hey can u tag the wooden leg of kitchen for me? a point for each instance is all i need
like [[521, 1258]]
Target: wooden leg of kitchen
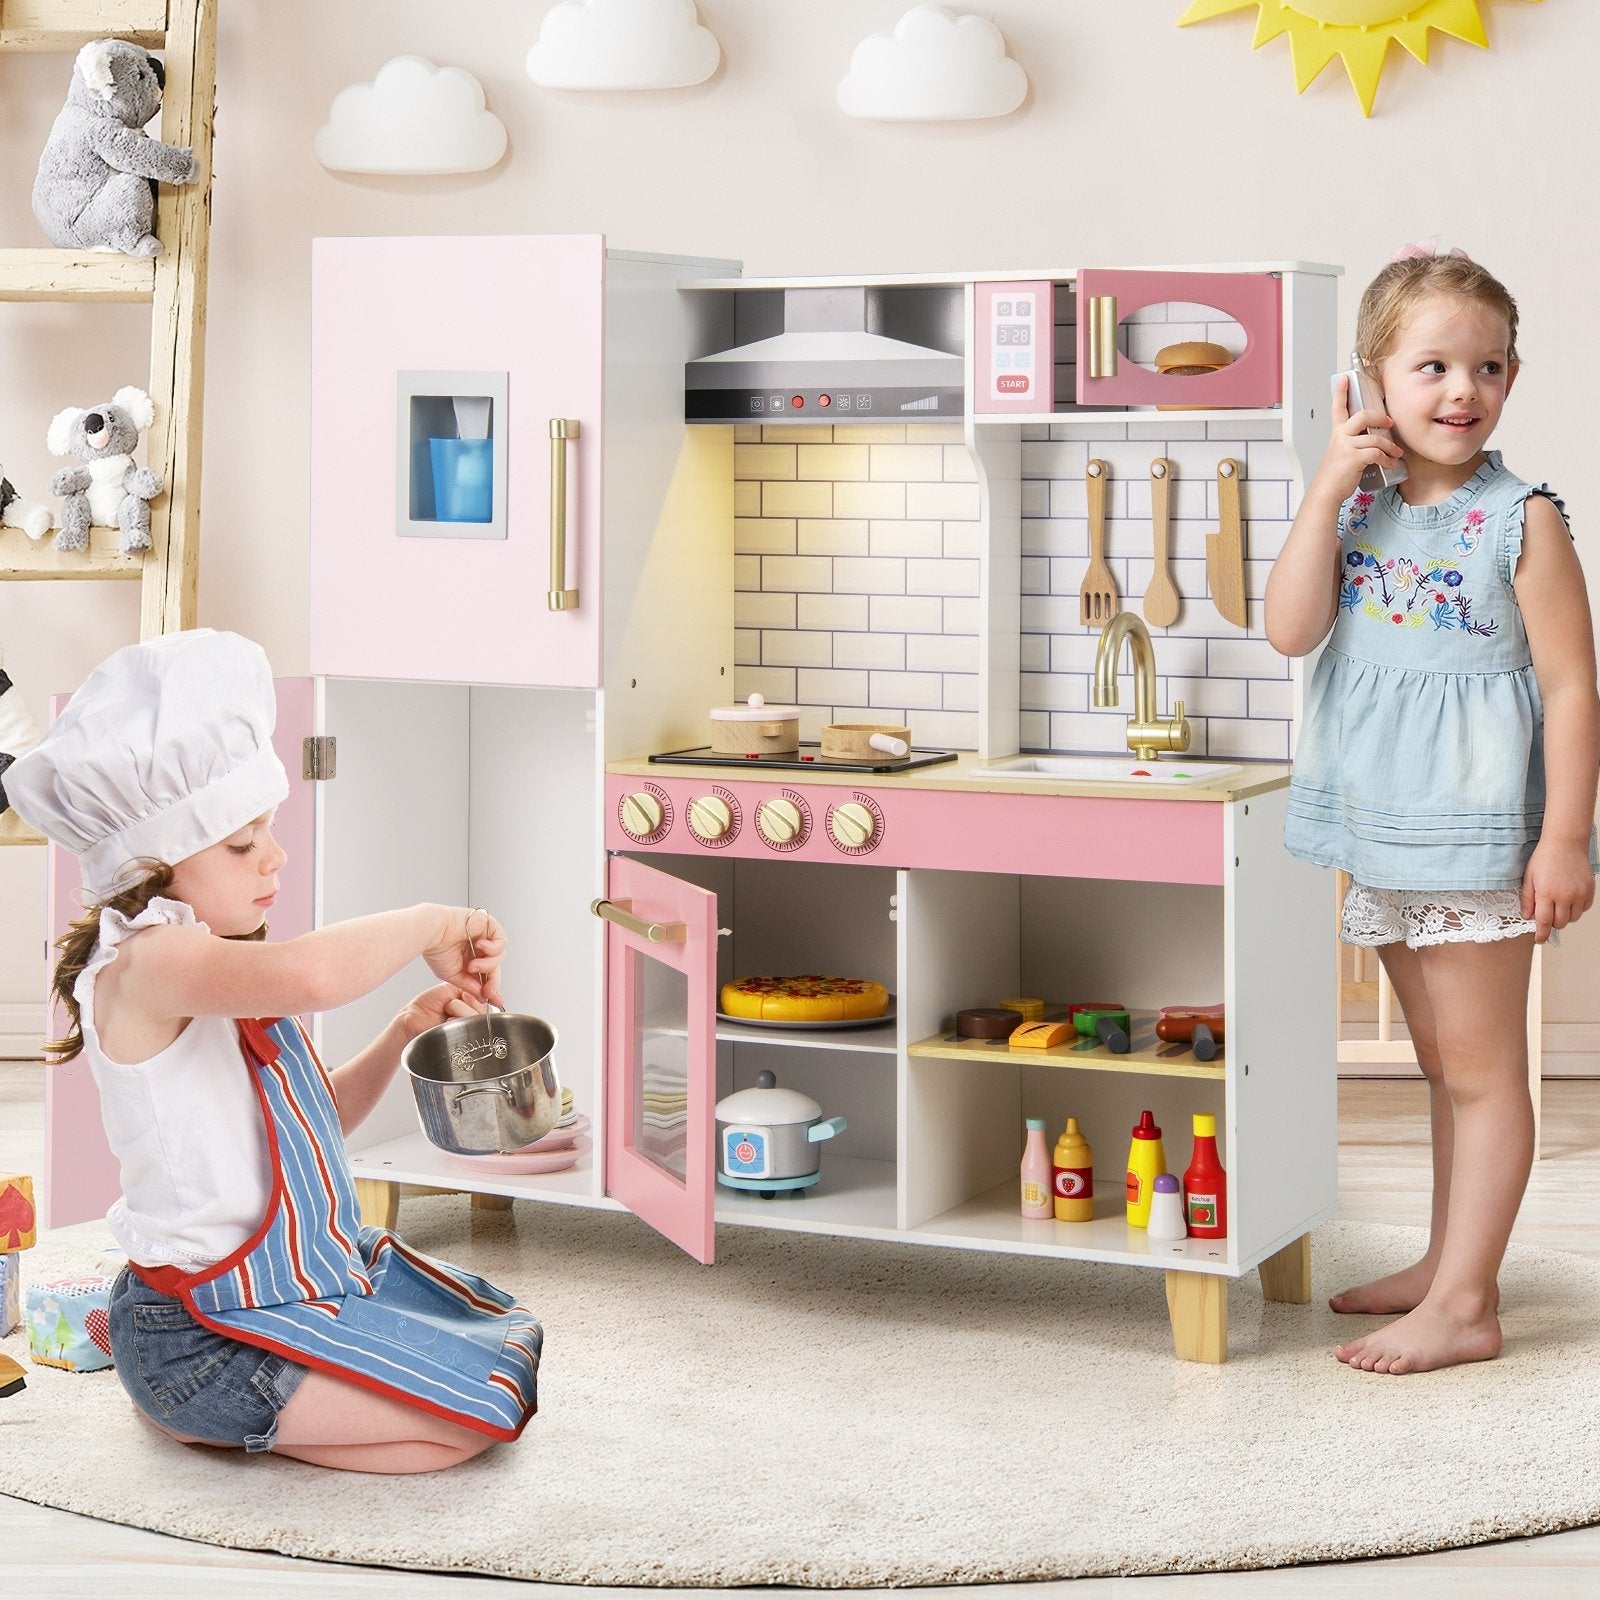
[[1197, 1303], [1287, 1275], [379, 1202], [491, 1202]]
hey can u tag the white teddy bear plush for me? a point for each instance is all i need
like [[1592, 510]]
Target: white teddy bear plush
[[35, 521], [108, 490]]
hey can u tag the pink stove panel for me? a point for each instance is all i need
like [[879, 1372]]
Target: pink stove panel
[[1070, 836]]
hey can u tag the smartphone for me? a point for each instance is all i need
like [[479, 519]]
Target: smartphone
[[1366, 396]]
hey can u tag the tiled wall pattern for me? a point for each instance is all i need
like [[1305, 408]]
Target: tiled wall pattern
[[857, 569], [856, 575]]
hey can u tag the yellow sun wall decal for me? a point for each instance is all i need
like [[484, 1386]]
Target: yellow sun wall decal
[[1359, 31]]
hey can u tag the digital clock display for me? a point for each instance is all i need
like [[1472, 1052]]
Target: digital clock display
[[1014, 334]]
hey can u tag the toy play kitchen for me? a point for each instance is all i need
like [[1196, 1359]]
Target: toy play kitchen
[[864, 500]]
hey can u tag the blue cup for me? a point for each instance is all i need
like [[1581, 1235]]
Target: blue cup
[[463, 479]]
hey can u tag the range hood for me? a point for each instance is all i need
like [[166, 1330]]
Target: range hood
[[827, 365]]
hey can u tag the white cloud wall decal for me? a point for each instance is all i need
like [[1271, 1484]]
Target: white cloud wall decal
[[623, 44], [936, 67], [414, 118]]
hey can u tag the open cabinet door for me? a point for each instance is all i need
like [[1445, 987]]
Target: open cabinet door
[[81, 1178], [661, 1051]]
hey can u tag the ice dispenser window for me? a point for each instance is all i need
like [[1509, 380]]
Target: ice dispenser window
[[452, 455]]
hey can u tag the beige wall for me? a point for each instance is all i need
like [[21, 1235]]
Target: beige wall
[[1139, 142]]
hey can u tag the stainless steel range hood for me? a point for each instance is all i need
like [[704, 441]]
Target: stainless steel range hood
[[826, 365]]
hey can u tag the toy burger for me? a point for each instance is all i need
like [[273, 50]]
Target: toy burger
[[1191, 359]]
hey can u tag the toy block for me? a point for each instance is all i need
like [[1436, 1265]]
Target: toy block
[[10, 1293], [69, 1323], [18, 1222]]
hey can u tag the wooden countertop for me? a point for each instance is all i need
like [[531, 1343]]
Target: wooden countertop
[[964, 775]]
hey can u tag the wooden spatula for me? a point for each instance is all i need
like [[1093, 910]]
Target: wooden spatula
[[1161, 598], [1097, 599], [1225, 547]]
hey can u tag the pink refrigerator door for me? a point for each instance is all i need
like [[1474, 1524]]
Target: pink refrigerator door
[[1252, 299], [661, 1054], [80, 1174], [520, 316]]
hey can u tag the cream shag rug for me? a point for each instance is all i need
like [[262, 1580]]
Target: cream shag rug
[[845, 1413]]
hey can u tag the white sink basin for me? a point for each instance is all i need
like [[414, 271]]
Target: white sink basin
[[1175, 771]]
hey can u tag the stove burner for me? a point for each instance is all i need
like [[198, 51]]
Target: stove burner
[[807, 758]]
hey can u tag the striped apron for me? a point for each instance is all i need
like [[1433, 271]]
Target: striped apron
[[315, 1286]]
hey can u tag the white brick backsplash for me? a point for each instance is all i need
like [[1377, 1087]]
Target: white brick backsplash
[[937, 652], [859, 559], [765, 610], [798, 574], [941, 577], [870, 575], [909, 689], [906, 539], [836, 537], [839, 612], [961, 616], [899, 613], [791, 648], [881, 652], [763, 536], [871, 500]]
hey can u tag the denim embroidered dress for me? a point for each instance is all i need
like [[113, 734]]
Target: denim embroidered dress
[[1421, 759]]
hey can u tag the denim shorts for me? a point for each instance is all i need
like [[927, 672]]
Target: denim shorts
[[191, 1380]]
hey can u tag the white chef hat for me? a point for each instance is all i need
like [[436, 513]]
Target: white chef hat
[[167, 748]]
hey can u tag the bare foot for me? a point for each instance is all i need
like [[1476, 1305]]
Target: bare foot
[[1400, 1291], [1428, 1337]]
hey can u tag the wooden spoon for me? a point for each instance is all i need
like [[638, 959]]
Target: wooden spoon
[[1161, 598]]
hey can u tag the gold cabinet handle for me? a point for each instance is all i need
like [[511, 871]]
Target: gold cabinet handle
[[1102, 336], [561, 598], [621, 913]]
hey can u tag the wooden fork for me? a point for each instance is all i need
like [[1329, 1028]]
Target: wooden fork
[[1097, 599]]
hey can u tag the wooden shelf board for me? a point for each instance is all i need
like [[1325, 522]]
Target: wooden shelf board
[[22, 557], [1149, 1055], [13, 830], [70, 24], [76, 275]]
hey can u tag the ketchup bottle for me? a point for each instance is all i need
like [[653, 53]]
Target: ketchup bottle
[[1205, 1184]]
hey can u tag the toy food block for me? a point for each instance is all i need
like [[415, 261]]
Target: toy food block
[[10, 1293], [18, 1224], [69, 1323], [1040, 1035]]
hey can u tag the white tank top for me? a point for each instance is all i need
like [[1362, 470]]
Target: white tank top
[[185, 1125]]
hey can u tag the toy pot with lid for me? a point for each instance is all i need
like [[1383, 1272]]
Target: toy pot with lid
[[755, 728], [770, 1139]]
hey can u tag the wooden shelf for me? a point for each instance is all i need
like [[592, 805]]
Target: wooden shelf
[[93, 275], [1148, 1055], [13, 830], [22, 557], [70, 24]]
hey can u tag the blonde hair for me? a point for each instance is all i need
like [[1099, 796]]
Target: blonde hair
[[77, 944], [1396, 292]]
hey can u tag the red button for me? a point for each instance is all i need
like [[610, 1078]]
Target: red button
[[798, 401], [824, 399]]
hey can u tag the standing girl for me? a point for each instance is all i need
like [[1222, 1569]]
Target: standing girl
[[1448, 757], [256, 1311]]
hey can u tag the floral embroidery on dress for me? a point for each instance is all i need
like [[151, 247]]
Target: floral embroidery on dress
[[1360, 505], [1471, 533], [1407, 593]]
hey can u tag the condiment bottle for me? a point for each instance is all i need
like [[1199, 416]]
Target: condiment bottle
[[1166, 1209], [1146, 1162], [1072, 1176], [1036, 1175], [1205, 1184]]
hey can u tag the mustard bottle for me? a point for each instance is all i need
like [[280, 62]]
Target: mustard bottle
[[1146, 1162], [1072, 1175]]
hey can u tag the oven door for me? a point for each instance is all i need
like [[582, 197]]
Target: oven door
[[661, 939]]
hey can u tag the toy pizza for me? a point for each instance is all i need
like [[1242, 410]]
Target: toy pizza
[[810, 997]]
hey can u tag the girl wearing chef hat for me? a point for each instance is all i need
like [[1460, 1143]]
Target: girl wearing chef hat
[[256, 1311]]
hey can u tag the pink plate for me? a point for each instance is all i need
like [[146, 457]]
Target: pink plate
[[521, 1162], [561, 1137]]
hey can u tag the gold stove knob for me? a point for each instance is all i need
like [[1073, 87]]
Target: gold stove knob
[[710, 816], [640, 815], [852, 825], [779, 821]]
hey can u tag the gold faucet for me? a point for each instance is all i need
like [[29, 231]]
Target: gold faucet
[[1148, 734]]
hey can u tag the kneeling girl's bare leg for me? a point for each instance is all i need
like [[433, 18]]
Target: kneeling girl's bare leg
[[330, 1422], [1479, 995]]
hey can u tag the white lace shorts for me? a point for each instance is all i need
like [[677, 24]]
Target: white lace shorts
[[1418, 917]]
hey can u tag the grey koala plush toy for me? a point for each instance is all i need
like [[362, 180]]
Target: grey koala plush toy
[[96, 184], [108, 490]]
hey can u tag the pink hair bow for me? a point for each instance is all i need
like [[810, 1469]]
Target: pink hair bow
[[1429, 247]]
